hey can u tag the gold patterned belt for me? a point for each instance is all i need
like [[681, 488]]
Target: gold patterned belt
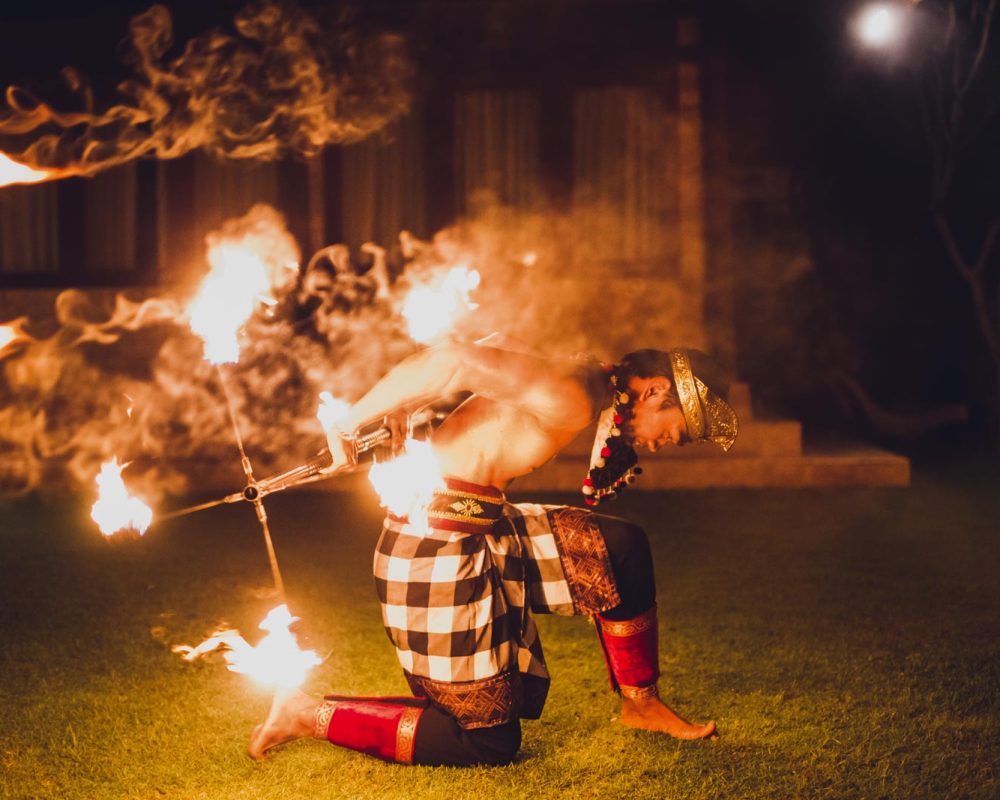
[[465, 507]]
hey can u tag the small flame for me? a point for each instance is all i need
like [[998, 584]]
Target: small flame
[[406, 484], [11, 334], [275, 661], [238, 278], [13, 172], [116, 510], [530, 258], [331, 411], [431, 310]]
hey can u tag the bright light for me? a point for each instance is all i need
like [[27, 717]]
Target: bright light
[[880, 24], [115, 509], [13, 172], [228, 295], [331, 411], [276, 660], [407, 484], [432, 310]]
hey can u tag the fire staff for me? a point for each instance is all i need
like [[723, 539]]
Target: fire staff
[[458, 593]]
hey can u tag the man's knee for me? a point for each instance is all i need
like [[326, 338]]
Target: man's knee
[[497, 746], [625, 540]]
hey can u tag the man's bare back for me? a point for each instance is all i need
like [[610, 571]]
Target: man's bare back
[[490, 443]]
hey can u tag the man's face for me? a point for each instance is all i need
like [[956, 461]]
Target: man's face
[[654, 423]]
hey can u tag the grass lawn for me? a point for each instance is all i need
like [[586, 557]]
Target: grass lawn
[[844, 640]]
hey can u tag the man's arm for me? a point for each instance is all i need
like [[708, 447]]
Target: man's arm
[[548, 390]]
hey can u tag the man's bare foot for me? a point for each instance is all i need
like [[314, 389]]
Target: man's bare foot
[[652, 714], [292, 716]]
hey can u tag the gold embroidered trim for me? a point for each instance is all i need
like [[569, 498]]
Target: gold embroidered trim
[[474, 704], [585, 560], [688, 393], [630, 627], [459, 517], [482, 498], [635, 692], [323, 716], [406, 735]]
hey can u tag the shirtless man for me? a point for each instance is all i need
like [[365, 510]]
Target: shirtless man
[[458, 595]]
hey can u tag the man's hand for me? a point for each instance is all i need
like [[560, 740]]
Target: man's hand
[[398, 423], [342, 452]]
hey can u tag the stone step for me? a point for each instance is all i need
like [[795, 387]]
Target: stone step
[[857, 465]]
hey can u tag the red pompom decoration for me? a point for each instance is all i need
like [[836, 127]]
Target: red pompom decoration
[[605, 452], [590, 501], [588, 482], [618, 419]]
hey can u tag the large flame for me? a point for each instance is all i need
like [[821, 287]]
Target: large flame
[[116, 510], [431, 310], [275, 661], [406, 484], [249, 258], [226, 299]]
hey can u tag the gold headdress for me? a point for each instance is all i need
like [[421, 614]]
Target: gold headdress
[[707, 415]]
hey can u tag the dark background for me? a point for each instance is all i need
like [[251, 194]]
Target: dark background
[[880, 301]]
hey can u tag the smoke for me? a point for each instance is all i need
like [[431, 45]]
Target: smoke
[[125, 376], [281, 83]]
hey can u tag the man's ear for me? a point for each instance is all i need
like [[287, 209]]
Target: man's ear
[[658, 387]]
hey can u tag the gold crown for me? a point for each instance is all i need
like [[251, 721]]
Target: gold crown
[[707, 415]]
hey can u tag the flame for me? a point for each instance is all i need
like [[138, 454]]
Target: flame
[[275, 661], [530, 258], [405, 484], [226, 299], [115, 510], [431, 310], [13, 172], [331, 410], [12, 333]]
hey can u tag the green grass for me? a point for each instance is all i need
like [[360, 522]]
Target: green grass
[[845, 642]]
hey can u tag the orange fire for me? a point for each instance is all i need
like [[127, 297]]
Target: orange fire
[[227, 298], [11, 334], [13, 172], [331, 410], [115, 509], [406, 484], [275, 661], [432, 309]]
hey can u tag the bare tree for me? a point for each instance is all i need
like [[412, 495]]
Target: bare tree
[[958, 99]]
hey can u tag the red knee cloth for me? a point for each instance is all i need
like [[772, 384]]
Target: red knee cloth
[[381, 729], [631, 651]]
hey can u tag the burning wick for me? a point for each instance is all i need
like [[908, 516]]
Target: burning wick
[[406, 484], [331, 410], [238, 280], [530, 258], [431, 310], [12, 172], [11, 333], [116, 510], [275, 661]]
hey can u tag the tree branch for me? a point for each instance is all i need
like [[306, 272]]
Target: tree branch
[[984, 39], [984, 319]]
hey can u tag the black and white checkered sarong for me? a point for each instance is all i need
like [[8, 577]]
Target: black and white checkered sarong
[[457, 597]]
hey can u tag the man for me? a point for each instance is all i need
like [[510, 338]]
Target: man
[[457, 595]]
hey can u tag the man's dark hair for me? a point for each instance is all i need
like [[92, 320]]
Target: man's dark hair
[[652, 363]]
